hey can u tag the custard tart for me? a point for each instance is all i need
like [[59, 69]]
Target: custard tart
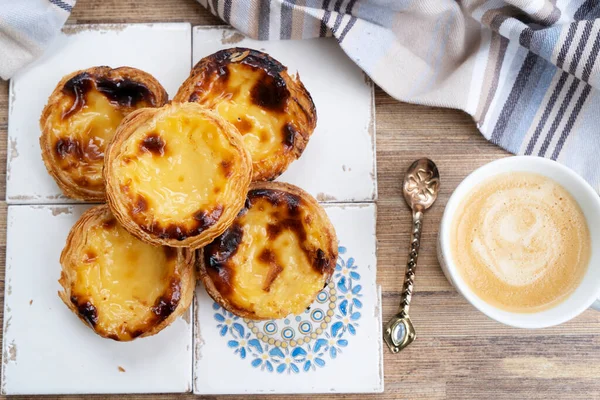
[[120, 286], [272, 110], [176, 175], [275, 258], [81, 117]]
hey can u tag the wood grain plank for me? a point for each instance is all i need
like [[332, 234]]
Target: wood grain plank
[[118, 11], [459, 353]]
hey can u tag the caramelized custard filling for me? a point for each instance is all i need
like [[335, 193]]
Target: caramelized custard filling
[[273, 259], [85, 120], [254, 102], [123, 285], [175, 172]]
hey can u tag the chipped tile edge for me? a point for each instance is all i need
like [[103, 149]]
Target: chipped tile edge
[[213, 27], [232, 37], [7, 310], [9, 155], [379, 308], [372, 131], [75, 28], [197, 341]]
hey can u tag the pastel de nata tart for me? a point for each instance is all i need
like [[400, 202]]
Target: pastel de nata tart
[[81, 117], [120, 286], [275, 258], [176, 175], [272, 110]]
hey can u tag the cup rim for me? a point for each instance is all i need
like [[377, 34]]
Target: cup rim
[[517, 163]]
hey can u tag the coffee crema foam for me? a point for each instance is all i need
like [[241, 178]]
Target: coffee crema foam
[[521, 242]]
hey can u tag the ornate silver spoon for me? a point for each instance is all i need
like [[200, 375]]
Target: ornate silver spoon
[[420, 189]]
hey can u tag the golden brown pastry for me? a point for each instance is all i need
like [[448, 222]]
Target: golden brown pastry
[[176, 175], [272, 110], [120, 286], [276, 256], [80, 118]]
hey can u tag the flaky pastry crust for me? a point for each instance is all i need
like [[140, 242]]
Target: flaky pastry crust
[[275, 258], [80, 118], [272, 110], [119, 286], [176, 175]]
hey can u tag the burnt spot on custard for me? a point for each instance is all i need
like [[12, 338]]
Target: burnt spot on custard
[[166, 304], [268, 257], [321, 262], [289, 136], [270, 90], [136, 333], [140, 205], [125, 92], [207, 219], [87, 311], [121, 91], [290, 224], [90, 151], [153, 144], [77, 87], [201, 221], [109, 223], [217, 255], [277, 198], [170, 253], [227, 168], [65, 147]]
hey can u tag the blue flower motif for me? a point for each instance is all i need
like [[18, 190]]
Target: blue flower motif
[[241, 341], [348, 316], [310, 358], [345, 268], [332, 343], [261, 355], [277, 357], [286, 361], [226, 320]]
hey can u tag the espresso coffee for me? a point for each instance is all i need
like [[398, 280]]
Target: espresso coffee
[[520, 242]]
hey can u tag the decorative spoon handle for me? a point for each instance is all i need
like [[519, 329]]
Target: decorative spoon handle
[[420, 189], [411, 265]]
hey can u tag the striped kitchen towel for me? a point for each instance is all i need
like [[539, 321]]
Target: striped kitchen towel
[[526, 70], [26, 28]]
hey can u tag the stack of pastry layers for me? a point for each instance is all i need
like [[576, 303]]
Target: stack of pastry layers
[[189, 193]]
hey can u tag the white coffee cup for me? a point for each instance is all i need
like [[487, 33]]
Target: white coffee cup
[[588, 291]]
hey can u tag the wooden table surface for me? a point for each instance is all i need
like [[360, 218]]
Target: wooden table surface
[[459, 353]]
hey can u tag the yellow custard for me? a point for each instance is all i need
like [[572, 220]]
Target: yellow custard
[[263, 131], [275, 258], [81, 138], [121, 286], [272, 110], [177, 175], [179, 164]]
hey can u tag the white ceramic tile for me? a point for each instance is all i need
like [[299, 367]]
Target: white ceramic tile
[[47, 349], [42, 339], [346, 356], [163, 50], [339, 162]]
